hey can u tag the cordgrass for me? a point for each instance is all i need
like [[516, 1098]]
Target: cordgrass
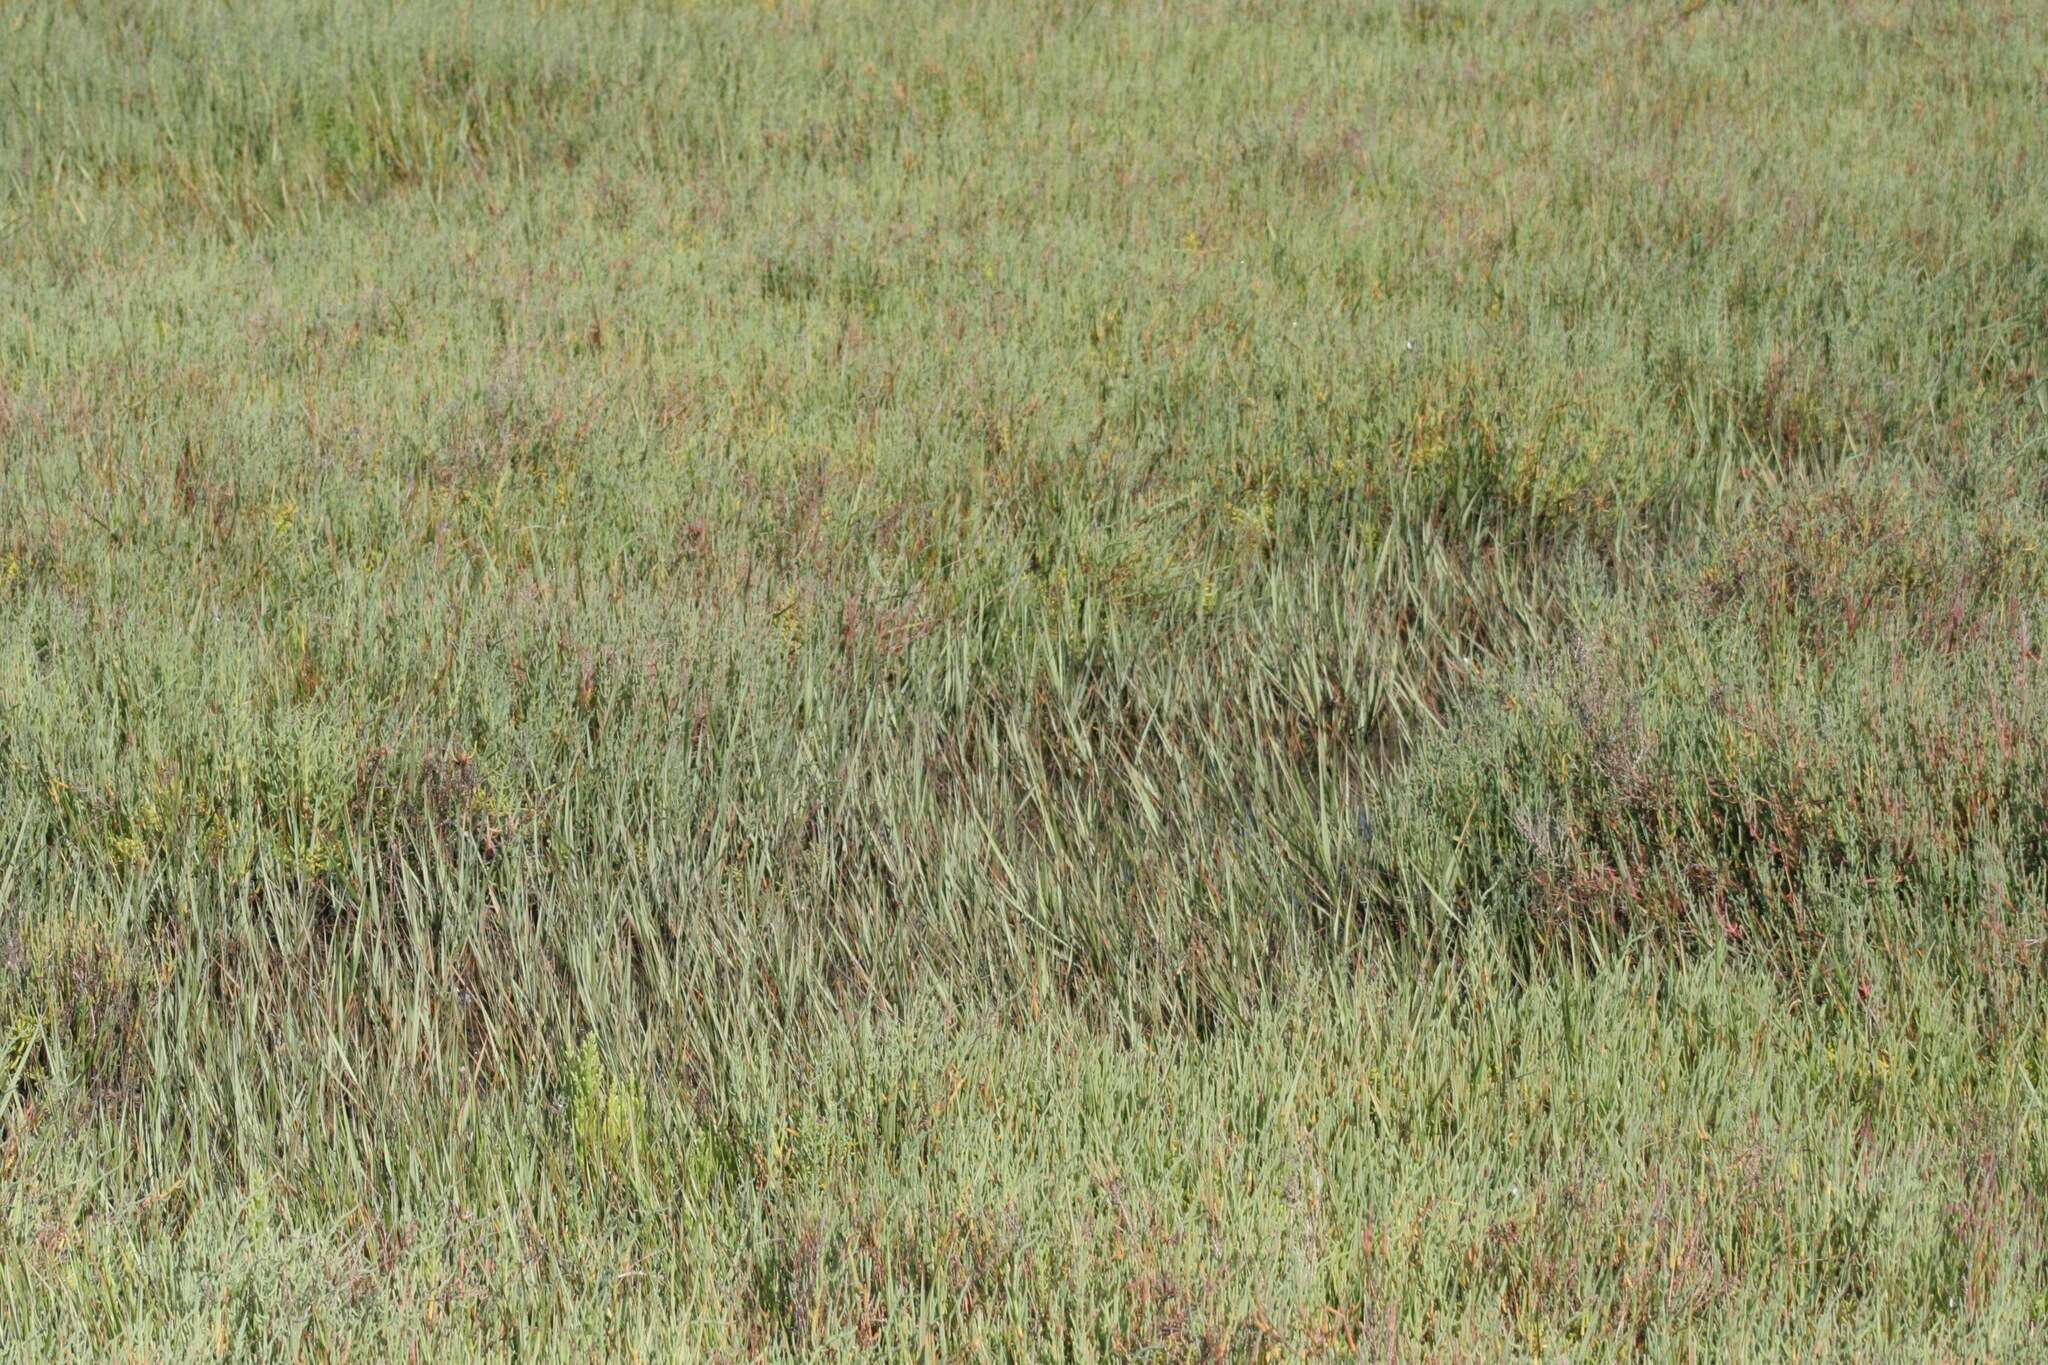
[[1023, 681]]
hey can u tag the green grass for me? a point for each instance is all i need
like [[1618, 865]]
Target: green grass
[[1032, 681]]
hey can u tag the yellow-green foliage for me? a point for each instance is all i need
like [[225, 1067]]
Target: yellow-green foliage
[[607, 1115]]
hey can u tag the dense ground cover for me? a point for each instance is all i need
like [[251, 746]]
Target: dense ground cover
[[1260, 680]]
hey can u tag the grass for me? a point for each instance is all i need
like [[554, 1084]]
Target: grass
[[1086, 681]]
